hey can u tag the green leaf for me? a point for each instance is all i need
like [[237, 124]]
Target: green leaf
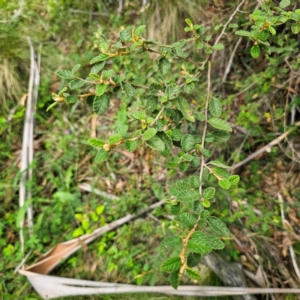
[[176, 134], [156, 144], [51, 106], [204, 214], [193, 259], [187, 142], [187, 157], [189, 22], [207, 153], [199, 45], [166, 139], [171, 264], [140, 29], [121, 129], [215, 242], [183, 166], [284, 3], [138, 115], [171, 242], [194, 181], [217, 136], [174, 161], [78, 232], [174, 279], [189, 87], [65, 74], [100, 89], [219, 124], [263, 35], [101, 156], [221, 172], [295, 28], [192, 274], [234, 179], [215, 107], [187, 219], [218, 226], [187, 196], [185, 108], [224, 183], [101, 104], [114, 139], [218, 46], [76, 84], [198, 244], [106, 74], [175, 209], [75, 68], [96, 142], [206, 203], [199, 116], [96, 68], [219, 164], [149, 133], [71, 99], [101, 57], [130, 145], [164, 66], [129, 90], [243, 33], [255, 51], [176, 191], [125, 35], [172, 91], [94, 76], [183, 184], [209, 193]]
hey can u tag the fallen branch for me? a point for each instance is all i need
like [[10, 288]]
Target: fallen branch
[[263, 149]]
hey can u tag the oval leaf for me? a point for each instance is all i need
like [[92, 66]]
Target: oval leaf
[[218, 226], [171, 264], [101, 104], [219, 124], [149, 133], [156, 144], [187, 142], [171, 242]]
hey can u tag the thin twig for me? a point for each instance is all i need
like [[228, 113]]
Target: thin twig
[[224, 29], [88, 188], [205, 124], [158, 116], [228, 67]]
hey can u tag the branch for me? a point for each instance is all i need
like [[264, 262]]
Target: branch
[[205, 124], [263, 149]]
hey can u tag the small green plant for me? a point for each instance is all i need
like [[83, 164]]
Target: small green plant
[[264, 21], [171, 109]]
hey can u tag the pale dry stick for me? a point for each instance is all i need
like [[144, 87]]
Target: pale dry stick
[[88, 188], [224, 28], [205, 125], [228, 67], [25, 153], [49, 287], [291, 249], [263, 149], [158, 116], [34, 96]]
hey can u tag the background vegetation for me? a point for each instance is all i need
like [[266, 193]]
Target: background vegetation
[[260, 99]]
